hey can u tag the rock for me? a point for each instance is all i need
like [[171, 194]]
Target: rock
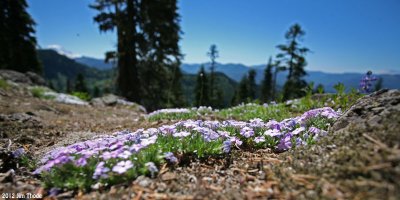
[[110, 99], [36, 79], [9, 176], [362, 147], [370, 110], [114, 100], [143, 181], [19, 117], [66, 98], [29, 78], [14, 76], [168, 176]]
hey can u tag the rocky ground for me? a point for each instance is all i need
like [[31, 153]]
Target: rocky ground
[[359, 159]]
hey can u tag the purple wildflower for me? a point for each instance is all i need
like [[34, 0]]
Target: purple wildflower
[[100, 171], [54, 191], [223, 134], [366, 82], [125, 154], [272, 132], [314, 130], [285, 143], [247, 132], [181, 134], [152, 168], [273, 124], [168, 130], [256, 122], [122, 166], [236, 140], [298, 130], [136, 148], [18, 153], [81, 161], [259, 139], [170, 157], [227, 146]]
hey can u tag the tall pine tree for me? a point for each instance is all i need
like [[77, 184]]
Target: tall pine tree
[[246, 91], [17, 40], [252, 85], [292, 54], [148, 35], [201, 90], [214, 90], [160, 36], [267, 83], [80, 84], [122, 16]]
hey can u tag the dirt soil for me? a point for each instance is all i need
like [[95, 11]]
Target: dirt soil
[[360, 159]]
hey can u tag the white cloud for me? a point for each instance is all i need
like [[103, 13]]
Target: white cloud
[[63, 51]]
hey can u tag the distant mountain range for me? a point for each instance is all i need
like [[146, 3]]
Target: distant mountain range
[[350, 80], [58, 68], [237, 71], [94, 62]]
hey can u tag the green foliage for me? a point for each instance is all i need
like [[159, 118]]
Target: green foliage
[[82, 95], [69, 176], [294, 58], [320, 89], [39, 92], [17, 40], [28, 162], [148, 53], [340, 89], [267, 83], [201, 90], [246, 91], [80, 84], [173, 116], [4, 84], [249, 111], [252, 84]]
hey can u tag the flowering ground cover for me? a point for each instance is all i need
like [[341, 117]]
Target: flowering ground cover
[[277, 111], [108, 160], [179, 113]]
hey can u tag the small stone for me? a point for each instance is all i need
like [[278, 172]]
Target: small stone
[[168, 176]]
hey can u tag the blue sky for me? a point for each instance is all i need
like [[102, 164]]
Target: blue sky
[[344, 35]]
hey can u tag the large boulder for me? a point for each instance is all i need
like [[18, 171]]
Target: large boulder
[[114, 100], [28, 78], [14, 76], [359, 158], [65, 98], [36, 79]]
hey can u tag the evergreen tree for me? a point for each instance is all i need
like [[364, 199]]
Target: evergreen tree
[[148, 34], [96, 91], [80, 84], [122, 15], [201, 89], [379, 84], [267, 83], [17, 40], [278, 68], [69, 85], [213, 54], [243, 90], [252, 87], [293, 56], [176, 97]]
